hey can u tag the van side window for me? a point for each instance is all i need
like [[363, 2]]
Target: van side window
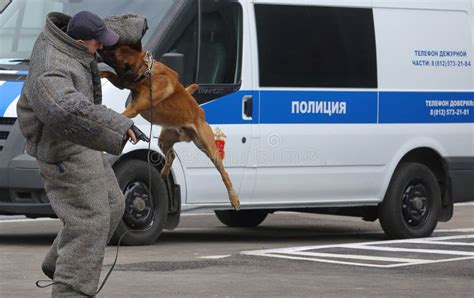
[[220, 43], [311, 46], [211, 44], [186, 44]]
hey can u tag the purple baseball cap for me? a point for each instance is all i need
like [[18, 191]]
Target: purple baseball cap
[[87, 25]]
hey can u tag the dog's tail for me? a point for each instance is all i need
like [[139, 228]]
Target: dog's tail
[[192, 88]]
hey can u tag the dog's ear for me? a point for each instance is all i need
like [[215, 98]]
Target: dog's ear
[[192, 88]]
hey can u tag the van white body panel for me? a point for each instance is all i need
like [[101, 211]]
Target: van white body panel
[[311, 146], [349, 164]]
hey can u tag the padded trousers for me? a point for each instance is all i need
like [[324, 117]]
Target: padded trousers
[[85, 195]]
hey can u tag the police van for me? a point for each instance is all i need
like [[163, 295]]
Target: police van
[[350, 107]]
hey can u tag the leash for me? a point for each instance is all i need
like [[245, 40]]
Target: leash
[[148, 73]]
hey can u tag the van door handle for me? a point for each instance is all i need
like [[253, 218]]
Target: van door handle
[[247, 107]]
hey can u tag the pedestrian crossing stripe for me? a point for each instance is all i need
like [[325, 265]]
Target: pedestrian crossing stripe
[[457, 248]]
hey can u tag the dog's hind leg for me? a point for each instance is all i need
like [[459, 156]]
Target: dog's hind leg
[[167, 139], [204, 140]]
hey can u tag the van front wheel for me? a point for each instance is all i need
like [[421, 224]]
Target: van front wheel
[[144, 216], [241, 218], [412, 203]]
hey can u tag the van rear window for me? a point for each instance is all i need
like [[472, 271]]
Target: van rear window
[[312, 46]]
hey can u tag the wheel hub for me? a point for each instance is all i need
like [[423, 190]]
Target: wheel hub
[[414, 204], [138, 206], [417, 203]]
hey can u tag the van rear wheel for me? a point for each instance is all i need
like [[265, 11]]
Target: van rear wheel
[[412, 204], [241, 218]]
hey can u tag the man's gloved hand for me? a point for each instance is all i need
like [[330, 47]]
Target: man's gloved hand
[[131, 135], [136, 134]]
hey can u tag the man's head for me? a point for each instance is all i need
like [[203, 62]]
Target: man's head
[[89, 29]]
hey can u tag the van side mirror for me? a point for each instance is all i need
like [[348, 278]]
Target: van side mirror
[[174, 61]]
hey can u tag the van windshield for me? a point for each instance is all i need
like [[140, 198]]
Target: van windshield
[[22, 21]]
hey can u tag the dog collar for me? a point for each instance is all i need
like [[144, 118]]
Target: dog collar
[[149, 63], [149, 67]]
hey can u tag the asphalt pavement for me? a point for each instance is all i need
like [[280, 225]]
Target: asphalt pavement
[[289, 255]]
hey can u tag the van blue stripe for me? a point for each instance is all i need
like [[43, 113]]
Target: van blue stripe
[[228, 109], [426, 107], [286, 107], [9, 91], [275, 107], [318, 107]]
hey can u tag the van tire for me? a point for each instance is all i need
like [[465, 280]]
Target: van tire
[[241, 218], [412, 204], [144, 218]]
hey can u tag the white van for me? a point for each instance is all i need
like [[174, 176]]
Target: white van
[[351, 107]]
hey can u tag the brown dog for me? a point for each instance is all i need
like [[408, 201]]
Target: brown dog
[[171, 106]]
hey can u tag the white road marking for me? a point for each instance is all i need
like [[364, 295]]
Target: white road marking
[[214, 257], [356, 257], [309, 253], [413, 262], [442, 243], [414, 250], [445, 243], [317, 260], [432, 262]]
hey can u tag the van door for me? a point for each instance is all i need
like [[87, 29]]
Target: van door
[[211, 36], [317, 79]]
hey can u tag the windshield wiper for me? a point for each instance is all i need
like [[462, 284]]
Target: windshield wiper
[[20, 61]]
